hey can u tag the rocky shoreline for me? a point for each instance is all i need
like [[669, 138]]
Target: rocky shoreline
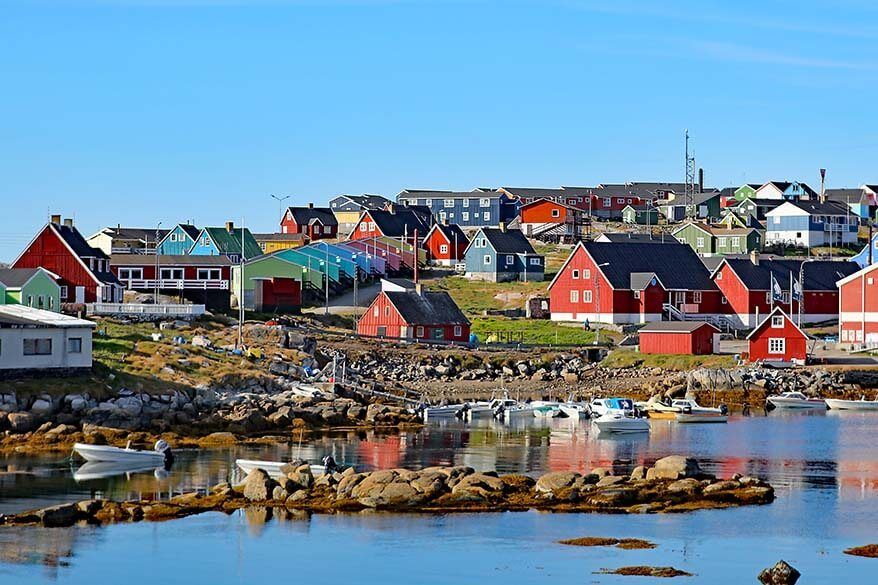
[[673, 484]]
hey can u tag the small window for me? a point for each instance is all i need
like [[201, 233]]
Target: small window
[[607, 202], [172, 237], [574, 275], [556, 213], [696, 296], [37, 346], [485, 202], [448, 203], [586, 273], [535, 262], [30, 300], [869, 280], [487, 259], [51, 303], [777, 345], [465, 214], [487, 216], [466, 203], [736, 241], [777, 321], [719, 275], [574, 296], [458, 330], [724, 300], [768, 298], [721, 242], [63, 292], [74, 345], [364, 227], [376, 312], [428, 202], [699, 242], [419, 332], [637, 294], [586, 296], [620, 200], [387, 311], [510, 260], [443, 249]]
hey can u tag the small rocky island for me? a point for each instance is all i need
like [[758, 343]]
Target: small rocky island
[[673, 484]]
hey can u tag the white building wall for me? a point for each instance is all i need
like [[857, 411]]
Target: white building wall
[[12, 348]]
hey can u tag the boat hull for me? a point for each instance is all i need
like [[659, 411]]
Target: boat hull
[[272, 468], [662, 414], [621, 424], [574, 410], [866, 405], [117, 454], [701, 418], [798, 404]]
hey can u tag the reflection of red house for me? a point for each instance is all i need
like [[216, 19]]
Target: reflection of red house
[[679, 337], [445, 244], [777, 338]]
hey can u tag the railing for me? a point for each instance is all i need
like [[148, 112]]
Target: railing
[[132, 309], [721, 322], [173, 283]]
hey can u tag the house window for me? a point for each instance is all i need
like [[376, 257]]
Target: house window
[[586, 296], [208, 274], [574, 296], [719, 275], [869, 280], [376, 312], [510, 259], [487, 259], [30, 300], [74, 345], [428, 202], [722, 242], [699, 242], [419, 332], [458, 330], [51, 303], [736, 241], [630, 201], [696, 296], [777, 321], [777, 345], [364, 227], [130, 273], [574, 275], [534, 261], [607, 202], [637, 294], [620, 200], [172, 237], [487, 216], [776, 220], [40, 301], [443, 249], [466, 202], [37, 346], [63, 292], [485, 202], [205, 241], [556, 213], [586, 273], [465, 214], [172, 274], [724, 300], [387, 311], [448, 203]]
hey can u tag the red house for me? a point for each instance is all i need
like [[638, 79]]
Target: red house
[[84, 272], [632, 283], [679, 337], [415, 315], [746, 284], [445, 244], [777, 338], [548, 219], [316, 223], [277, 295], [197, 279], [858, 307]]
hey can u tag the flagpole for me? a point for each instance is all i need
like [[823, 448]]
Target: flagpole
[[791, 294]]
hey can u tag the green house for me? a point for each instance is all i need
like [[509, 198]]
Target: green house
[[708, 240], [640, 214], [270, 266], [746, 191], [33, 287]]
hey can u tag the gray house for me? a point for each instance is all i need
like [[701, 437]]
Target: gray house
[[500, 254]]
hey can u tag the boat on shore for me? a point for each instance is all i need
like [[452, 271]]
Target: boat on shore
[[861, 404], [692, 412], [621, 421], [796, 400], [160, 454]]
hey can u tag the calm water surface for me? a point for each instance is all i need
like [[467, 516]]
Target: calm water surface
[[824, 467]]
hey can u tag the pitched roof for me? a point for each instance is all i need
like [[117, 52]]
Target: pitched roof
[[367, 201], [399, 222], [452, 232], [762, 202], [168, 260], [427, 308], [817, 208], [77, 243], [279, 237], [191, 230], [306, 215], [777, 310], [844, 195], [637, 238], [819, 275], [674, 327], [23, 315], [17, 277], [142, 234], [676, 265], [716, 230], [229, 242], [507, 241]]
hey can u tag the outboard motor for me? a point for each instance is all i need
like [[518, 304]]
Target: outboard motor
[[724, 409], [461, 414], [329, 465], [498, 412], [162, 447]]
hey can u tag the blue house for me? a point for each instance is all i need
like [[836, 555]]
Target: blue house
[[501, 254], [226, 241], [788, 190], [477, 208], [810, 224], [179, 240]]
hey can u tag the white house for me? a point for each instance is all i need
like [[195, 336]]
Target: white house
[[811, 223], [34, 339]]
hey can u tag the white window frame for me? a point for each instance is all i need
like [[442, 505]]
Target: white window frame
[[486, 260], [443, 248], [736, 241], [607, 202], [419, 331], [173, 274], [534, 261], [74, 345], [777, 322], [64, 291], [487, 216], [510, 259], [209, 274], [768, 297], [485, 202], [699, 242], [574, 274], [376, 312], [586, 296], [721, 242], [574, 296], [586, 273], [719, 275], [458, 330], [696, 296], [556, 213], [777, 345], [448, 203], [465, 216]]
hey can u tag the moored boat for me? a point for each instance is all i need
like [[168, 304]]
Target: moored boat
[[545, 409], [796, 400], [574, 409], [443, 412], [601, 406], [620, 421], [861, 404], [692, 412], [657, 410], [158, 456], [508, 409]]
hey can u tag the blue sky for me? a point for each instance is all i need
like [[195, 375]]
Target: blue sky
[[139, 111]]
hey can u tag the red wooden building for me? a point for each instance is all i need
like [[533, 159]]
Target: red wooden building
[[445, 244], [777, 338], [277, 295], [632, 283], [197, 279], [316, 223], [84, 272], [545, 218], [858, 307], [679, 337], [415, 315], [746, 284]]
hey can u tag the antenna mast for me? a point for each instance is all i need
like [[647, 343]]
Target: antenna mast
[[690, 178]]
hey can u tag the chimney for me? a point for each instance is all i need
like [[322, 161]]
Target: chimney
[[56, 219], [503, 226], [68, 222], [311, 205], [230, 226], [701, 180], [118, 228], [754, 257]]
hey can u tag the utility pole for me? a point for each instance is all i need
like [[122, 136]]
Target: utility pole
[[241, 292], [280, 201], [326, 272], [155, 299]]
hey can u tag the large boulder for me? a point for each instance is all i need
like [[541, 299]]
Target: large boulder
[[59, 516], [21, 422], [780, 574], [674, 467], [42, 407], [556, 481], [258, 486]]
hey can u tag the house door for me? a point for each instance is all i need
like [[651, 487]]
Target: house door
[[80, 295], [382, 332], [715, 348], [679, 298]]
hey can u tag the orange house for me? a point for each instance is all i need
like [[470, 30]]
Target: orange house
[[548, 218]]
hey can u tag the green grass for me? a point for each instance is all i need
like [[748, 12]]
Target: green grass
[[625, 358], [476, 296], [532, 331]]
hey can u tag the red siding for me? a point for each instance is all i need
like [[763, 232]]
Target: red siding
[[433, 244], [698, 342], [392, 322], [796, 344], [189, 272], [288, 225], [858, 300], [279, 294], [49, 251], [541, 212]]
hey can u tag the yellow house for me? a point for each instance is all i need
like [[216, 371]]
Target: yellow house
[[275, 242]]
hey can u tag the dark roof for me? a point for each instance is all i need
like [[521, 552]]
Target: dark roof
[[508, 241], [763, 202], [818, 208], [367, 201], [637, 238], [676, 265], [405, 283], [537, 192], [229, 242], [782, 185], [16, 277], [168, 260], [427, 308], [400, 221], [820, 275], [844, 195], [304, 215], [728, 191], [191, 230], [674, 326], [452, 231], [77, 243], [143, 234]]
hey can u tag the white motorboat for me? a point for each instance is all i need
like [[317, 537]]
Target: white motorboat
[[158, 456], [621, 421], [478, 410], [796, 400], [692, 412], [658, 410], [508, 409], [443, 412], [545, 409], [861, 404], [601, 406], [574, 409], [273, 468]]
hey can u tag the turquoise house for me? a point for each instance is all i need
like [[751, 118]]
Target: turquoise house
[[226, 241], [362, 259], [179, 240], [313, 264], [348, 267]]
